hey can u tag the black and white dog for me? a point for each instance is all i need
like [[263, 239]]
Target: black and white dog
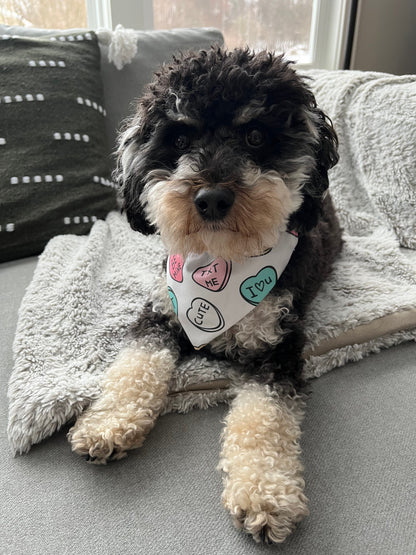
[[227, 158]]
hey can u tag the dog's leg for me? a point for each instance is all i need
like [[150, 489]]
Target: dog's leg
[[134, 390], [260, 457]]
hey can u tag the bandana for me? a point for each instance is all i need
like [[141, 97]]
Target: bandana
[[210, 294]]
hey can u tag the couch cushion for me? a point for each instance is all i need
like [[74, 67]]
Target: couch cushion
[[54, 166]]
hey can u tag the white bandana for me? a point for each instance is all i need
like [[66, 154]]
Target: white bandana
[[210, 295]]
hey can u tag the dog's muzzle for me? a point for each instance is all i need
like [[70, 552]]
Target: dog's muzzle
[[213, 204]]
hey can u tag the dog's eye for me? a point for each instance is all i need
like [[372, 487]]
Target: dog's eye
[[181, 141], [255, 137]]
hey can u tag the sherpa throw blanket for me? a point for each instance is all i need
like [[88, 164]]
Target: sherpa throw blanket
[[86, 291]]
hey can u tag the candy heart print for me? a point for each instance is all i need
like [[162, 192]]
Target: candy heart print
[[176, 267], [214, 276], [210, 294], [173, 299], [205, 316], [255, 288]]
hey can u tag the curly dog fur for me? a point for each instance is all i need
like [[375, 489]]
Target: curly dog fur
[[227, 151]]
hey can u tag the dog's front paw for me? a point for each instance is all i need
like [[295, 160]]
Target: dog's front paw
[[133, 392], [103, 436], [268, 510], [263, 484]]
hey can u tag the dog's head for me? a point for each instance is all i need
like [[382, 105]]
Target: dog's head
[[226, 151]]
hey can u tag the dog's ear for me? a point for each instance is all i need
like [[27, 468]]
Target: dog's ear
[[130, 172], [134, 209], [314, 190]]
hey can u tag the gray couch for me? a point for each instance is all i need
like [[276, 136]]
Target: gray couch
[[358, 443]]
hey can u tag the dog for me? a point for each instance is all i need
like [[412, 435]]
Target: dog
[[227, 158]]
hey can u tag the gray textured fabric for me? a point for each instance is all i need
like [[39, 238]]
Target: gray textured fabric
[[14, 278], [375, 117]]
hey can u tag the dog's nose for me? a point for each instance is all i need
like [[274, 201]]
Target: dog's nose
[[214, 204]]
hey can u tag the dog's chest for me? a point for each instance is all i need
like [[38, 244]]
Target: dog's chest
[[260, 329]]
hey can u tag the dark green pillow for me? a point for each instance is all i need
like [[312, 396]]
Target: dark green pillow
[[54, 163]]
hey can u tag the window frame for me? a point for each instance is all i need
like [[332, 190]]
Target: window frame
[[329, 28], [330, 33]]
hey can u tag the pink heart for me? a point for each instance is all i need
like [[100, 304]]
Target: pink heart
[[176, 267], [214, 276]]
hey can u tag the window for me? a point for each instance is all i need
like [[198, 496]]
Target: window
[[312, 32], [280, 25], [59, 14]]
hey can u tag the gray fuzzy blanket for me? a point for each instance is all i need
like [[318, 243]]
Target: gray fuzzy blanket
[[86, 291]]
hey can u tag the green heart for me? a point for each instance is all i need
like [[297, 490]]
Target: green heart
[[255, 288]]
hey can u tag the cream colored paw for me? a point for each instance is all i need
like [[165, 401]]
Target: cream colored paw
[[133, 393], [263, 484], [269, 512], [102, 436]]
